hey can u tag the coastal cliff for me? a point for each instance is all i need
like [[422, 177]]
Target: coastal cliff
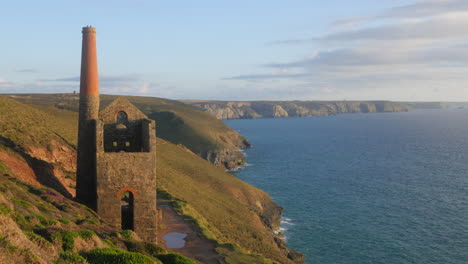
[[38, 150], [274, 109]]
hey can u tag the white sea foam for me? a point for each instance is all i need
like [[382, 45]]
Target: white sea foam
[[285, 224], [239, 168]]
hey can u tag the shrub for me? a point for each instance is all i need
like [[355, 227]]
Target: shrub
[[113, 255], [64, 221], [86, 233], [42, 219], [42, 242], [145, 248], [4, 209], [127, 234], [70, 258], [175, 259], [21, 202], [68, 239]]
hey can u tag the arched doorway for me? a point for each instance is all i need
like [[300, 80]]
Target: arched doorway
[[127, 210]]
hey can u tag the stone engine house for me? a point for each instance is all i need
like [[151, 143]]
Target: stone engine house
[[126, 168], [116, 161]]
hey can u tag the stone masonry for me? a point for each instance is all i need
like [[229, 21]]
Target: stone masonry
[[126, 162], [116, 164]]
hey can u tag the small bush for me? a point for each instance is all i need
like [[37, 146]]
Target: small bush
[[86, 233], [70, 258], [108, 242], [127, 234], [175, 259], [68, 239], [21, 202], [64, 221], [42, 219], [37, 239], [145, 248], [4, 209], [21, 221], [113, 255]]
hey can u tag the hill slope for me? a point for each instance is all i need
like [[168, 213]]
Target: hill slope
[[238, 218], [177, 122], [39, 225]]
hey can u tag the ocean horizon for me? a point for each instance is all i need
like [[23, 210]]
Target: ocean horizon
[[366, 188]]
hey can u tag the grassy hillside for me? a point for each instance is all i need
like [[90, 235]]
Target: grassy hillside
[[39, 225], [176, 122], [31, 126], [237, 217]]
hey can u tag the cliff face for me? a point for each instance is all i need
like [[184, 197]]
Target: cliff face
[[262, 109]]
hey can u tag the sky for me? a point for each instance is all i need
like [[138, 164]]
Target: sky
[[402, 50]]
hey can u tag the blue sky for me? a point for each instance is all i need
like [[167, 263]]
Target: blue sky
[[243, 50]]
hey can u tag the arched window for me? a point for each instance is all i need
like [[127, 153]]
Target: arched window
[[127, 209], [122, 117]]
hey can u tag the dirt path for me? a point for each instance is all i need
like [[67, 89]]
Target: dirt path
[[196, 247]]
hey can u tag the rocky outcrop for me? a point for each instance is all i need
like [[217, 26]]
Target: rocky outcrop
[[271, 109], [228, 154]]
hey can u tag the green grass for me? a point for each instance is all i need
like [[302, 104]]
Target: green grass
[[37, 239], [4, 210], [86, 233], [177, 122], [70, 258], [68, 239], [64, 221], [219, 204], [236, 255], [25, 125], [47, 237], [174, 259], [144, 248], [127, 234], [116, 256], [3, 169], [222, 207]]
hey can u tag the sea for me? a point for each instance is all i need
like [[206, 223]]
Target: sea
[[366, 188]]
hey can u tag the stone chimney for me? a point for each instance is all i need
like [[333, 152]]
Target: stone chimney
[[88, 115]]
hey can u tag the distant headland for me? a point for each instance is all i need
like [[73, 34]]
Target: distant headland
[[275, 109]]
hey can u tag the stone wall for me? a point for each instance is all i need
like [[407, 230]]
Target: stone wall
[[127, 171]]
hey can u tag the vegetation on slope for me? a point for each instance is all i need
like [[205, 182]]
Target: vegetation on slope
[[177, 122], [39, 144], [239, 218], [24, 125], [226, 209], [39, 225]]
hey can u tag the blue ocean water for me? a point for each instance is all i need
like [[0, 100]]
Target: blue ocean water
[[366, 188]]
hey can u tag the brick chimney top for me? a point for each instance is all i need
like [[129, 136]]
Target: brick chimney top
[[89, 29]]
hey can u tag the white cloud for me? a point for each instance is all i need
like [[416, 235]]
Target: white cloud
[[415, 51], [5, 84], [145, 88]]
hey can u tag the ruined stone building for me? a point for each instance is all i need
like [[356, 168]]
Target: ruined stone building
[[116, 166]]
